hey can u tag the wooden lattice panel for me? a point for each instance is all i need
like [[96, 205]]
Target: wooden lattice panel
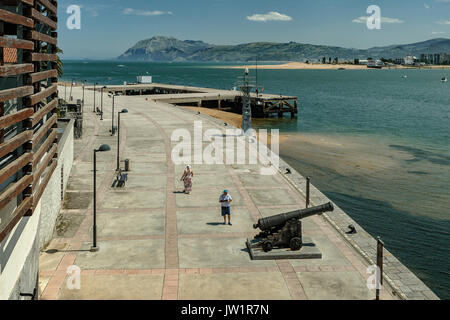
[[28, 100]]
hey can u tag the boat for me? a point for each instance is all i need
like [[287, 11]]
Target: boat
[[405, 76], [444, 79]]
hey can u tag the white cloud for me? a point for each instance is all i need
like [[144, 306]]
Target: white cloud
[[444, 22], [438, 32], [383, 20], [271, 16], [426, 6], [129, 11]]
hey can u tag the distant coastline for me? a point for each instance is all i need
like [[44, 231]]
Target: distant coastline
[[321, 66]]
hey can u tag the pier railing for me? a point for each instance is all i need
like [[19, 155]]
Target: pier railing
[[28, 100]]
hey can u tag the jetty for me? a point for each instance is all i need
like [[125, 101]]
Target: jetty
[[263, 104]]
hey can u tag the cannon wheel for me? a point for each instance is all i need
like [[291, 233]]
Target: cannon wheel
[[296, 244], [267, 246]]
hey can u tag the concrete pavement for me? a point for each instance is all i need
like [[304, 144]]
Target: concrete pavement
[[158, 243]]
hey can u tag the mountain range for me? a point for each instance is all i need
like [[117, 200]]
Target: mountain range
[[168, 49]]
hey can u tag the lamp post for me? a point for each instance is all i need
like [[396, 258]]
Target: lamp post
[[103, 148], [113, 131], [118, 136], [95, 83], [101, 104], [84, 84]]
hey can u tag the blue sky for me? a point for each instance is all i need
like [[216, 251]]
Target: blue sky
[[109, 27]]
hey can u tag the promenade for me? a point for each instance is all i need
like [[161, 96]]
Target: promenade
[[159, 243]]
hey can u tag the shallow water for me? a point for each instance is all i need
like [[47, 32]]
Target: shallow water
[[374, 142]]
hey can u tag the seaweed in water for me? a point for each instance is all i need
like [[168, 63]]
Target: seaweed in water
[[420, 154], [418, 172]]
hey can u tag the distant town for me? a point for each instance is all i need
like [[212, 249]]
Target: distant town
[[434, 59]]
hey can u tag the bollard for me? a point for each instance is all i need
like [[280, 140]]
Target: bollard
[[379, 278], [127, 164], [308, 181]]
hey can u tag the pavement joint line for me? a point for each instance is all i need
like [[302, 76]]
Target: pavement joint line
[[130, 210], [207, 208], [125, 238], [216, 235]]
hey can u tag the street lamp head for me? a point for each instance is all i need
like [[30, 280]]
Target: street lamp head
[[124, 111], [104, 87], [103, 148]]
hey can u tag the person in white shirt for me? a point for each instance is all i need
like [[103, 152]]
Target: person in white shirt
[[225, 200]]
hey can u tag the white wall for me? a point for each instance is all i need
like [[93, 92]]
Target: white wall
[[19, 252], [51, 198]]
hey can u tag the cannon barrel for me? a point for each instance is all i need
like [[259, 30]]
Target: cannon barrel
[[280, 219]]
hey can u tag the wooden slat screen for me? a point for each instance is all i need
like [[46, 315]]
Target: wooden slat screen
[[28, 95]]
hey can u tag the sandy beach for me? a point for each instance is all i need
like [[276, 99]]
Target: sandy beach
[[302, 65], [320, 66], [68, 83], [231, 118]]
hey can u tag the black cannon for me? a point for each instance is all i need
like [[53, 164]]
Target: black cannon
[[285, 230]]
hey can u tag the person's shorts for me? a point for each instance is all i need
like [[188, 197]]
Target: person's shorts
[[225, 211]]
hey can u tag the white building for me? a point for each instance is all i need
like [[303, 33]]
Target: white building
[[409, 60]]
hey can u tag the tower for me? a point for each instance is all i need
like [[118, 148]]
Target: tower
[[246, 87]]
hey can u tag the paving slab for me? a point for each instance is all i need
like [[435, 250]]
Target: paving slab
[[208, 221], [49, 260], [271, 196], [116, 287], [86, 168], [202, 168], [147, 167], [258, 180], [77, 200], [348, 285], [134, 199], [138, 224], [149, 182], [233, 286], [149, 146], [206, 198], [123, 254], [331, 256], [216, 253], [83, 182], [67, 224], [139, 157], [102, 157], [202, 180]]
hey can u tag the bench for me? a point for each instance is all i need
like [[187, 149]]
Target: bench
[[121, 178]]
